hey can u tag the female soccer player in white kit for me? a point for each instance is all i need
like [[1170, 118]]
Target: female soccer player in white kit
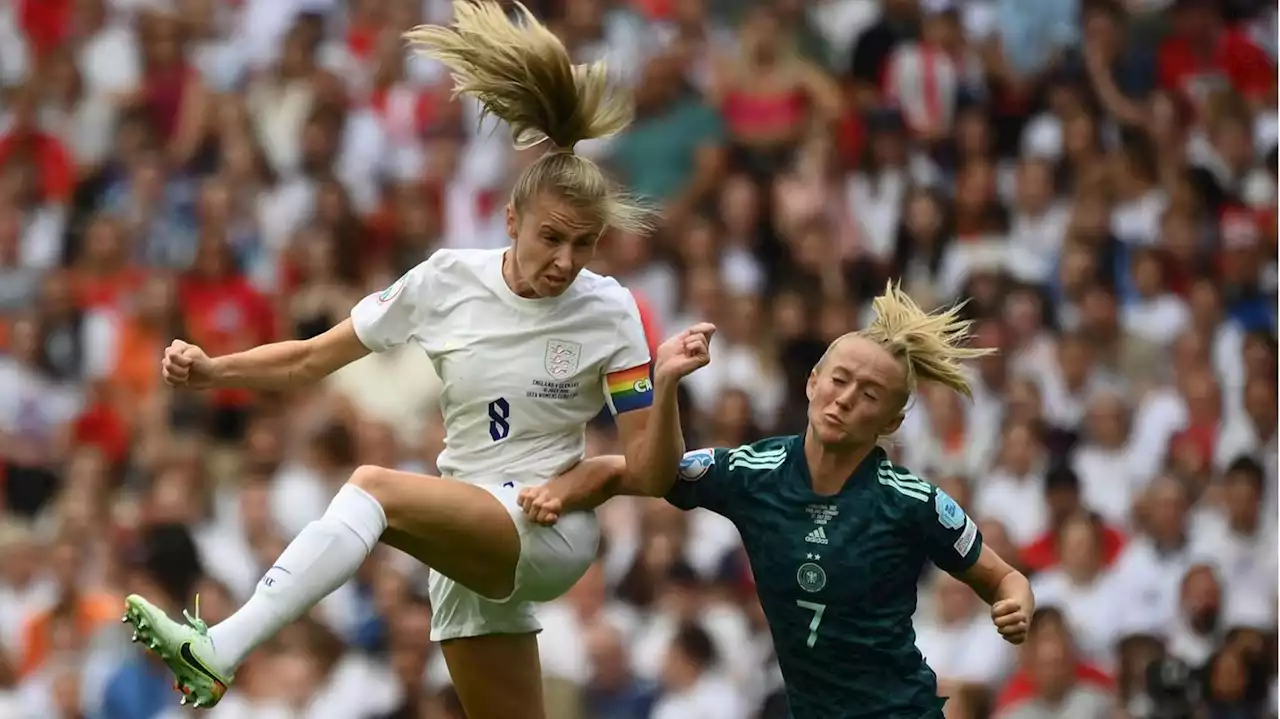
[[529, 347]]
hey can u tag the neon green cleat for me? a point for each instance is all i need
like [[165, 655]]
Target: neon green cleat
[[184, 647]]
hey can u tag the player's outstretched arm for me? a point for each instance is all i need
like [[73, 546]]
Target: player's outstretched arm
[[653, 440], [585, 486], [1006, 590], [276, 366]]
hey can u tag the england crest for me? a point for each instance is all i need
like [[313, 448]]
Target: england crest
[[562, 358]]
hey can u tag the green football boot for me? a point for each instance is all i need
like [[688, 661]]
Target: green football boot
[[185, 648]]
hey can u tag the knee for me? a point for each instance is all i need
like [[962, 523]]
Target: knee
[[376, 481]]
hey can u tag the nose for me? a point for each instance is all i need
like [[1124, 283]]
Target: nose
[[845, 399], [562, 260]]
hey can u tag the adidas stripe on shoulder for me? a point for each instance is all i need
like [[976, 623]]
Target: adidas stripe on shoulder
[[904, 482], [748, 457]]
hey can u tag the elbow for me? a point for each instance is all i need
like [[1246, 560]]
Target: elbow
[[642, 485]]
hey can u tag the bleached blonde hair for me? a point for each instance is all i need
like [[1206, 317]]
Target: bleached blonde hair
[[522, 74], [930, 346]]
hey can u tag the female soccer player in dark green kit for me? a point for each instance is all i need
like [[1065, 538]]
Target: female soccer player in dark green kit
[[837, 535]]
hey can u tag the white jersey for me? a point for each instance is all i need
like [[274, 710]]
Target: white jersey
[[522, 377]]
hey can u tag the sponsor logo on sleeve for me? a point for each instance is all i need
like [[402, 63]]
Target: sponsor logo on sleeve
[[390, 293], [950, 515], [696, 464]]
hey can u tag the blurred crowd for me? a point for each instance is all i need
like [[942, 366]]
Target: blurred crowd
[[1097, 178]]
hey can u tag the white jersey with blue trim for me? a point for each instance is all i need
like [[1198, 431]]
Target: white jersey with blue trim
[[521, 377]]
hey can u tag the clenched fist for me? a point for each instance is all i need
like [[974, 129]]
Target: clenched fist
[[541, 506], [187, 366], [684, 353], [1011, 620]]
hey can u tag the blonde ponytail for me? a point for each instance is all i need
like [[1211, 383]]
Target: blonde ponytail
[[522, 74], [931, 346]]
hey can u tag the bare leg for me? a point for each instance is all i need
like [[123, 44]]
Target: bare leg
[[455, 528], [472, 664]]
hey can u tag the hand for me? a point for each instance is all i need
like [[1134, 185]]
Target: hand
[[1011, 620], [682, 354], [187, 366], [540, 505]]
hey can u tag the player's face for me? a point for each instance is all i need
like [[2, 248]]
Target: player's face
[[553, 240], [857, 394]]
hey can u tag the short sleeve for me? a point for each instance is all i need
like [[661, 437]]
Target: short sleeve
[[951, 537], [703, 481], [385, 320], [627, 382]]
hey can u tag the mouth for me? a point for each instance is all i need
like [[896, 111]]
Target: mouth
[[833, 419]]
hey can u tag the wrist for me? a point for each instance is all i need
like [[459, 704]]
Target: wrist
[[665, 384], [217, 370]]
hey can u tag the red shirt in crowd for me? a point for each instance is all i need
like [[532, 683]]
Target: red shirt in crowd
[[1022, 688], [52, 162], [45, 23], [1042, 554], [1236, 61], [226, 315], [652, 333]]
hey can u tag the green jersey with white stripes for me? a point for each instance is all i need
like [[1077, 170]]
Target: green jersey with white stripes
[[836, 574]]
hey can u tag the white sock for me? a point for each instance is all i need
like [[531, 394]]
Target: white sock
[[323, 557]]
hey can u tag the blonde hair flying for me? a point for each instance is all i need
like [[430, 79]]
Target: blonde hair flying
[[932, 347], [522, 74]]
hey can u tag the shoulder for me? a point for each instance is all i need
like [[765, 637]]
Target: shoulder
[[450, 268], [764, 455], [453, 260], [900, 485], [603, 293]]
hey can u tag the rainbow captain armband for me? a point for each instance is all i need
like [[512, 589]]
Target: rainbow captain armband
[[629, 389]]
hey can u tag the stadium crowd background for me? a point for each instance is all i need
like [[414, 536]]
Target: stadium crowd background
[[1097, 177]]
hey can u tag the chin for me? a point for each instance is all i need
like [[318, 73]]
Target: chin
[[826, 434]]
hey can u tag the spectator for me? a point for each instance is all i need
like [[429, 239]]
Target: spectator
[[956, 643], [694, 689], [1053, 683], [1080, 588], [1064, 499]]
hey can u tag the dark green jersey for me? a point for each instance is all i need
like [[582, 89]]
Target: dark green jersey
[[836, 575]]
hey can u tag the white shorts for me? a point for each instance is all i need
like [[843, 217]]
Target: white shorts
[[552, 559]]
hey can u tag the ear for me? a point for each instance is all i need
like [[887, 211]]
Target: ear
[[512, 229], [811, 385], [893, 425]]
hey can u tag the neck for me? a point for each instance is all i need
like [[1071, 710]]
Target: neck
[[1244, 526], [830, 466], [1169, 545], [509, 276], [1082, 576]]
